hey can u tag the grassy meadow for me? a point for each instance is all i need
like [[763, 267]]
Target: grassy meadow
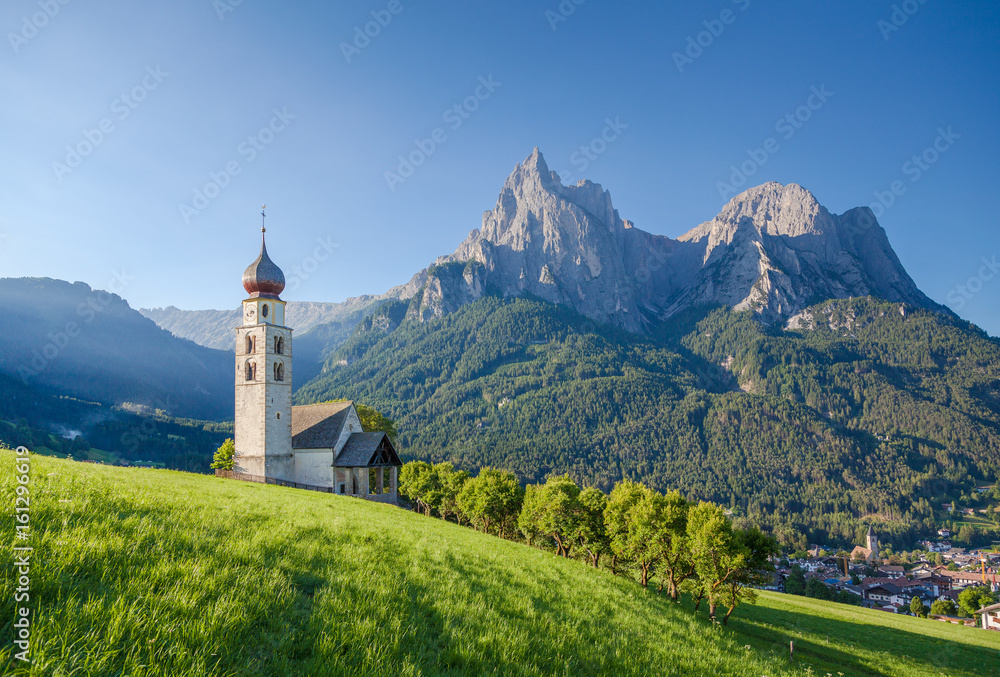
[[153, 572]]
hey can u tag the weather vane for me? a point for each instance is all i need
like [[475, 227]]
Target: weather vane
[[263, 216]]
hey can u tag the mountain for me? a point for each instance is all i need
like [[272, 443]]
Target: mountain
[[773, 249], [215, 328], [90, 344], [869, 410]]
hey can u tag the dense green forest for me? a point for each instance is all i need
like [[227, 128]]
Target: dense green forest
[[867, 413]]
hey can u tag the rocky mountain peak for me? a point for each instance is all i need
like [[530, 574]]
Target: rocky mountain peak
[[773, 249]]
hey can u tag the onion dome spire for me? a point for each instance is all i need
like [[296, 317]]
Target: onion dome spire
[[263, 277]]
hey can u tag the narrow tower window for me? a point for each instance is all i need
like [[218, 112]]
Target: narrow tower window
[[251, 371], [279, 371], [264, 310], [279, 345], [251, 345]]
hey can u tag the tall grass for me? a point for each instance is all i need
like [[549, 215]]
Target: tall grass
[[140, 572]]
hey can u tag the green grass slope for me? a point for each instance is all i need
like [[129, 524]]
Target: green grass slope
[[139, 572]]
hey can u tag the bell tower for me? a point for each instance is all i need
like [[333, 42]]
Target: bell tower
[[263, 422]]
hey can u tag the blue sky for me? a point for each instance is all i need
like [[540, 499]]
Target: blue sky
[[183, 90]]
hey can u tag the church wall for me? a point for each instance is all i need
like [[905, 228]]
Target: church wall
[[351, 425], [314, 466]]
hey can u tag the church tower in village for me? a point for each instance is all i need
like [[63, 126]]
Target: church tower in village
[[263, 423], [871, 541]]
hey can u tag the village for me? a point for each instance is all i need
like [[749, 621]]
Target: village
[[928, 582]]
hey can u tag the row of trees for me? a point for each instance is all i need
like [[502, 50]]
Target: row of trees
[[664, 539]]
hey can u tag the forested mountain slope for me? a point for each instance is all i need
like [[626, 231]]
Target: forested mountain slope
[[862, 413]]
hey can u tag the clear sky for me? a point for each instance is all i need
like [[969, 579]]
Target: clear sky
[[115, 113]]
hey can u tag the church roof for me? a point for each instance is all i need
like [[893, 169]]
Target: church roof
[[361, 448], [263, 277], [318, 426]]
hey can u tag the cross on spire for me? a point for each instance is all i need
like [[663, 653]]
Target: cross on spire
[[263, 216]]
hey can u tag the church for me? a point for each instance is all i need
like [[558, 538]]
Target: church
[[870, 553], [318, 446]]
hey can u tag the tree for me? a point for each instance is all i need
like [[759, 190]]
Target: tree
[[717, 554], [668, 517], [223, 458], [373, 421], [817, 589], [491, 500], [444, 490], [973, 599], [756, 570], [558, 512], [944, 607], [627, 528], [592, 536], [917, 607], [417, 482], [527, 521]]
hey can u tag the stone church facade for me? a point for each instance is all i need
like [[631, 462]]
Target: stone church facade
[[316, 446]]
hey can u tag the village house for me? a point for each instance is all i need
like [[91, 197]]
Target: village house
[[990, 617]]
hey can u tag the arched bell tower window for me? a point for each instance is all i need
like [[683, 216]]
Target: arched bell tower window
[[279, 371], [251, 345], [279, 345], [250, 371]]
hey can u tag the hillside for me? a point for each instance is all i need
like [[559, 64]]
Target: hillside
[[164, 573], [90, 344], [53, 423], [861, 414]]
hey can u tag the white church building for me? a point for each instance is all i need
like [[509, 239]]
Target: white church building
[[318, 446]]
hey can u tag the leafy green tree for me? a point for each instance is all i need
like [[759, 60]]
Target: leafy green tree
[[418, 482], [795, 584], [717, 554], [629, 530], [492, 500], [592, 536], [917, 607], [974, 598], [447, 485], [559, 512], [223, 458], [668, 517], [817, 589], [373, 421], [758, 548], [528, 520], [944, 607]]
